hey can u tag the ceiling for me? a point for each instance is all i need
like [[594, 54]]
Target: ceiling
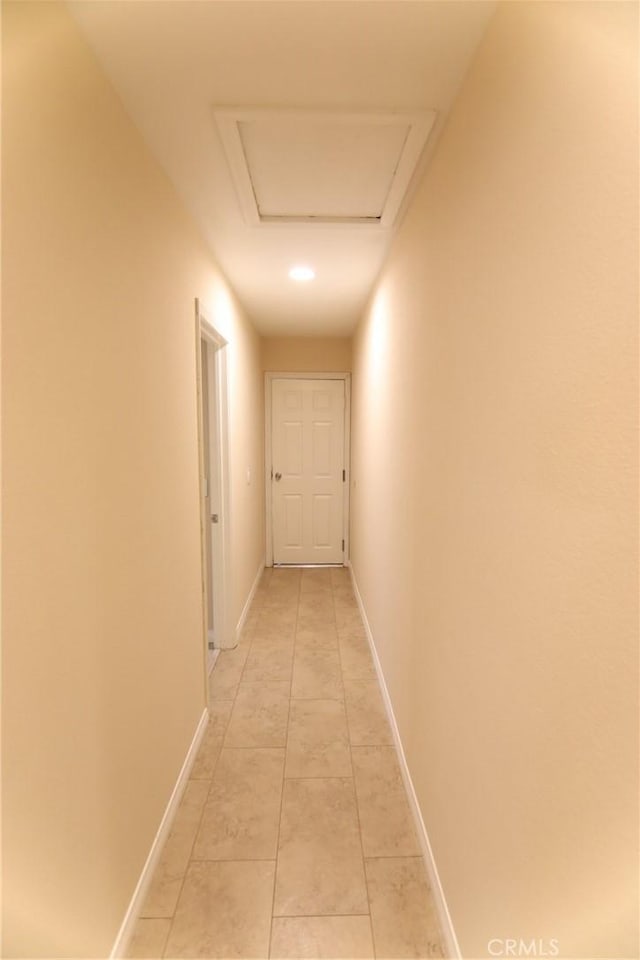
[[291, 129]]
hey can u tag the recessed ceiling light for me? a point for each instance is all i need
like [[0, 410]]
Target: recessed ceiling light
[[302, 274]]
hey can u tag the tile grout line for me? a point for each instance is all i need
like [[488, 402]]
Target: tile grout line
[[418, 858], [319, 916], [355, 794], [296, 597], [284, 767], [230, 860], [190, 858]]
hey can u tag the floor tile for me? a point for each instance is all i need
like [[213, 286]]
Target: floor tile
[[242, 813], [226, 674], [403, 913], [285, 575], [169, 874], [149, 938], [309, 619], [320, 867], [224, 911], [322, 636], [344, 597], [316, 581], [318, 741], [366, 717], [269, 627], [347, 617], [259, 716], [320, 591], [280, 590], [274, 642], [207, 756], [316, 674], [271, 661], [265, 579], [316, 606], [296, 774], [352, 630], [258, 599], [219, 714], [278, 614], [282, 595], [222, 687], [321, 937], [355, 658], [246, 634], [343, 591], [386, 822]]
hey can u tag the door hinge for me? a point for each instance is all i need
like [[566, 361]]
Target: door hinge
[[343, 546], [344, 475]]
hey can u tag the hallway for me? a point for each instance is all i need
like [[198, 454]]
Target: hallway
[[257, 173], [297, 782]]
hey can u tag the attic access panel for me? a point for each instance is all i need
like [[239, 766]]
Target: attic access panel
[[310, 167]]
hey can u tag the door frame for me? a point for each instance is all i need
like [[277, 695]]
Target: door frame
[[269, 377], [220, 584]]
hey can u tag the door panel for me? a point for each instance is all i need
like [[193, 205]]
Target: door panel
[[308, 460], [293, 521], [321, 521], [321, 449], [292, 448]]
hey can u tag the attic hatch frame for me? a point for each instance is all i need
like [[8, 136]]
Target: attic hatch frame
[[418, 123]]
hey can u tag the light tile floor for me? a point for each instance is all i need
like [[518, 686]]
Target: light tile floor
[[294, 836]]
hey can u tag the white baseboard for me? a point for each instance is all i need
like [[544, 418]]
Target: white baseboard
[[123, 940], [247, 606], [451, 945]]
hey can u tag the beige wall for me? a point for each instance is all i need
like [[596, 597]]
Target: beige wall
[[103, 680], [306, 354], [495, 371], [246, 431]]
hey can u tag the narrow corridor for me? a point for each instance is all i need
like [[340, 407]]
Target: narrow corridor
[[294, 837]]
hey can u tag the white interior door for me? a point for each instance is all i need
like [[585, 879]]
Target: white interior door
[[307, 440], [213, 433]]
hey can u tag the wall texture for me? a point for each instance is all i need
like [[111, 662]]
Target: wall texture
[[306, 354], [494, 423], [103, 681], [246, 439]]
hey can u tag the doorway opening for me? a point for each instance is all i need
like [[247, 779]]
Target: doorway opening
[[214, 485], [307, 468]]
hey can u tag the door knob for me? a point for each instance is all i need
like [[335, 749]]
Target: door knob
[[278, 476]]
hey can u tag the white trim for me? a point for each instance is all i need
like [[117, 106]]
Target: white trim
[[249, 601], [123, 940], [269, 377], [221, 569], [452, 948], [346, 458], [417, 123]]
